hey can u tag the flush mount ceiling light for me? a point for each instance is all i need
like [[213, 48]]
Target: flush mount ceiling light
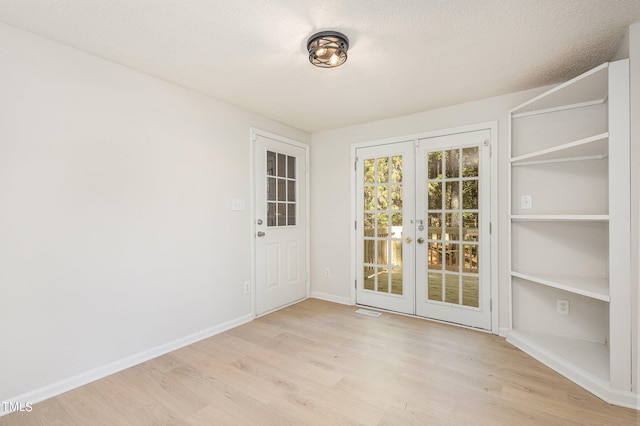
[[328, 49]]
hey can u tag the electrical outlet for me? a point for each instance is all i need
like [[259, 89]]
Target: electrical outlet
[[327, 273], [247, 287], [525, 202], [563, 307]]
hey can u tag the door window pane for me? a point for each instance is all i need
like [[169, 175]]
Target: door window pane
[[470, 226], [291, 167], [271, 214], [369, 224], [291, 214], [451, 288], [281, 190], [271, 189], [369, 198], [369, 251], [383, 281], [434, 256], [282, 214], [396, 197], [471, 291], [435, 195], [383, 198], [383, 225], [452, 257], [282, 165], [434, 165], [369, 171], [369, 278], [452, 161], [291, 192], [452, 226], [383, 170], [452, 195], [396, 174], [434, 286], [396, 281], [470, 161], [271, 163], [396, 253], [435, 226], [470, 258], [470, 194]]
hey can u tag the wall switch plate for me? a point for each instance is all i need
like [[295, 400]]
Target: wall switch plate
[[327, 273], [525, 202], [247, 287], [563, 307], [238, 204]]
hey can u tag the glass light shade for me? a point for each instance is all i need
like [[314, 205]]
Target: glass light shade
[[328, 49]]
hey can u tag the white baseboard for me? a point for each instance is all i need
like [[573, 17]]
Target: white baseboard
[[65, 385], [582, 378], [502, 332], [331, 298]]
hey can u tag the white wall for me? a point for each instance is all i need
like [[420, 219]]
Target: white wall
[[116, 229], [330, 175]]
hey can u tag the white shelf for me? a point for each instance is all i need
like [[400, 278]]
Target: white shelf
[[560, 217], [584, 121], [591, 86], [593, 147], [595, 288], [558, 108], [584, 362]]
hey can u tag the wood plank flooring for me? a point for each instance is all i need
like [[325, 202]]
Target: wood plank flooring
[[319, 363]]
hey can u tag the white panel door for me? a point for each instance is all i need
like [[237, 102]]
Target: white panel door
[[280, 171], [453, 208]]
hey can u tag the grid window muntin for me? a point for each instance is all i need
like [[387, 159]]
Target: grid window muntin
[[382, 222], [444, 240], [281, 190]]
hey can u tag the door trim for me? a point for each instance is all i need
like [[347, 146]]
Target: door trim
[[253, 135], [492, 126]]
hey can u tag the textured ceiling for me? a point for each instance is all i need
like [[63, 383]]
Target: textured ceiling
[[405, 56]]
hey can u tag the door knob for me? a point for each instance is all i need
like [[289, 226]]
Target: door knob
[[261, 234], [408, 240], [420, 240]]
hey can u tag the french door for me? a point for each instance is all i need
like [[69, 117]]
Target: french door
[[423, 212]]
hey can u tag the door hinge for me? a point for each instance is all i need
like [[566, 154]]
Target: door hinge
[[487, 143], [355, 284], [416, 146], [489, 227], [355, 225], [490, 305]]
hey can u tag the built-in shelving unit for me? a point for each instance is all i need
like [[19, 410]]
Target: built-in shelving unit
[[569, 230]]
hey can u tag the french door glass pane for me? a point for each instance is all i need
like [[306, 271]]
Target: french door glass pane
[[452, 220], [382, 219]]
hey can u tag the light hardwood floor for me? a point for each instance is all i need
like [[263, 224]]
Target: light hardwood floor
[[319, 363]]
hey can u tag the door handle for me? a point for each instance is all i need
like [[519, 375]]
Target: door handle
[[408, 240], [420, 240], [261, 234]]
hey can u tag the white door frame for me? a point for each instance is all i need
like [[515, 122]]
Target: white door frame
[[492, 126], [253, 134]]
